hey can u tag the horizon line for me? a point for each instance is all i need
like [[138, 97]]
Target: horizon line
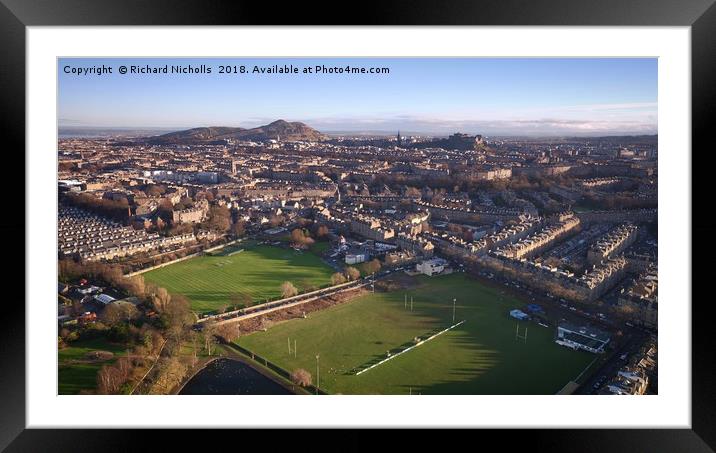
[[389, 132]]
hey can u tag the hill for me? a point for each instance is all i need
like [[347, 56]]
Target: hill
[[283, 130]]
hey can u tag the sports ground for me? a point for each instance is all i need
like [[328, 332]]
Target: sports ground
[[480, 356], [256, 270]]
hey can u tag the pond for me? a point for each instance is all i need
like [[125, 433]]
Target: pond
[[231, 377]]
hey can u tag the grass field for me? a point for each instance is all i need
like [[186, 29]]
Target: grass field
[[209, 281], [75, 373], [481, 356], [319, 247]]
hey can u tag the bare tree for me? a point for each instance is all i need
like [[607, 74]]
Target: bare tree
[[134, 286], [372, 266], [107, 380], [119, 312], [229, 332], [178, 315], [552, 262], [352, 273], [208, 331], [110, 378], [275, 220], [219, 218], [169, 373], [338, 278], [239, 300], [297, 236], [288, 290], [301, 238], [159, 297], [322, 231], [194, 359], [301, 377], [238, 229]]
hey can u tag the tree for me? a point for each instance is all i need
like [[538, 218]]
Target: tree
[[108, 380], [300, 237], [154, 190], [297, 236], [288, 290], [275, 220], [117, 209], [115, 313], [338, 278], [179, 229], [166, 210], [134, 286], [111, 377], [184, 203], [206, 195], [238, 229], [412, 192], [301, 377], [372, 267], [159, 298], [208, 331], [228, 332], [193, 336], [352, 273], [240, 300], [77, 308], [169, 373], [552, 262], [178, 316], [322, 232], [219, 219]]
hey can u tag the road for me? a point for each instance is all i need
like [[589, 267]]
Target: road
[[631, 342]]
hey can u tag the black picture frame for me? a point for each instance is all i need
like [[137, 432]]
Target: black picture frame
[[700, 15]]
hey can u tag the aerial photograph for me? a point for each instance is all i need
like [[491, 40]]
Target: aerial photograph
[[357, 226]]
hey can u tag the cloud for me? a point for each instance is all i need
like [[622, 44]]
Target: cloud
[[608, 107], [69, 121], [597, 119], [518, 126]]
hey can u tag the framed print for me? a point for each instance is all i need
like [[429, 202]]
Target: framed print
[[426, 218]]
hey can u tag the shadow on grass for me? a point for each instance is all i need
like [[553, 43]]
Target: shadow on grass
[[392, 352]]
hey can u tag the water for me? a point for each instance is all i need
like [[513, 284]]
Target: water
[[231, 377], [109, 132]]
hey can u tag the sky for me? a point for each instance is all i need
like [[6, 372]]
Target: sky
[[489, 96]]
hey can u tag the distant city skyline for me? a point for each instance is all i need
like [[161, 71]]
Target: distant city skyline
[[437, 96]]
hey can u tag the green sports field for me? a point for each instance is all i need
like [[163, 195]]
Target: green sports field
[[481, 356], [257, 270]]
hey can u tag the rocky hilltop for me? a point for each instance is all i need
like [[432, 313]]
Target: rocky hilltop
[[283, 130]]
